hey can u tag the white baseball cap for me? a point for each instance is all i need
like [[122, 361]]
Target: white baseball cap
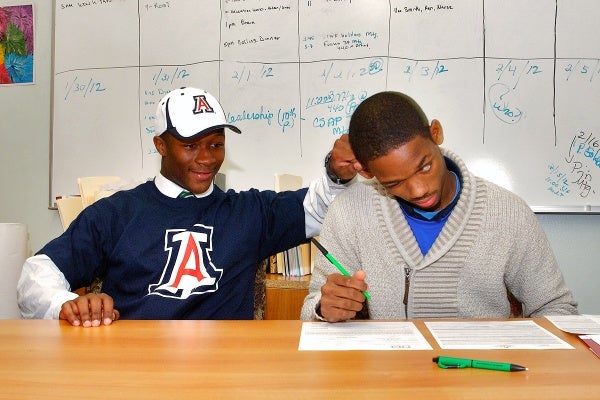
[[188, 113]]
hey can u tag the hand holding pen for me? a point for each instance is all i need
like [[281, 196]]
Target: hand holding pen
[[343, 295]]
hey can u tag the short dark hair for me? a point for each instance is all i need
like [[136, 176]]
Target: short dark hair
[[383, 122]]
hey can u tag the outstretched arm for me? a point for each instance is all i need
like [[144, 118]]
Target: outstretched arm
[[343, 167]]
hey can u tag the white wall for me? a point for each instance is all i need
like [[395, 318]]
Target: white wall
[[24, 177], [25, 139], [575, 240]]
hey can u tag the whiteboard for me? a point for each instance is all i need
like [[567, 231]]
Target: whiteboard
[[514, 83]]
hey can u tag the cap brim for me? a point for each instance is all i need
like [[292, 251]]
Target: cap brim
[[173, 131]]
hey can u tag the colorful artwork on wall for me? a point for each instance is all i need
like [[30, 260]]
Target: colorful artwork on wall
[[16, 44]]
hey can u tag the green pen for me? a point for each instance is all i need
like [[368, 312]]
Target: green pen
[[453, 362], [335, 262]]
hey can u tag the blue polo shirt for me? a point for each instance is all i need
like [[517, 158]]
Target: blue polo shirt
[[427, 225]]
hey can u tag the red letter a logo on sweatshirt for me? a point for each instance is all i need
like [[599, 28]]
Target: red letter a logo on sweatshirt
[[189, 269]]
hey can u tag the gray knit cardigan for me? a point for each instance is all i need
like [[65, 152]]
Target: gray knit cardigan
[[491, 244]]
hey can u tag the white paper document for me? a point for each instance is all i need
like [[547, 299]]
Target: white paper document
[[361, 336], [578, 324], [494, 335]]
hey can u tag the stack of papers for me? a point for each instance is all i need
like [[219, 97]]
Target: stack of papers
[[525, 334], [372, 335], [362, 336], [578, 324], [586, 326]]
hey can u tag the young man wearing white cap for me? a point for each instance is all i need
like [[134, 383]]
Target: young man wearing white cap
[[177, 247]]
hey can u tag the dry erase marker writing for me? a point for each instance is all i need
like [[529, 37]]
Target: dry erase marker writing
[[335, 262], [453, 362]]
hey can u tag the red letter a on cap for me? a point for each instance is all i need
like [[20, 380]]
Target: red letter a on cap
[[202, 105]]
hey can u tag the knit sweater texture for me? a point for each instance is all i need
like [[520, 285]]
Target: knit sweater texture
[[491, 244]]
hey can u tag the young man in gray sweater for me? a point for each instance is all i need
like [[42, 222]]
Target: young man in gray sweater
[[426, 238]]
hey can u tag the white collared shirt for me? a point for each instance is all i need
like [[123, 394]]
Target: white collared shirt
[[171, 189]]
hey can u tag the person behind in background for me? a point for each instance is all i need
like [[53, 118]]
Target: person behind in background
[[430, 239], [176, 247]]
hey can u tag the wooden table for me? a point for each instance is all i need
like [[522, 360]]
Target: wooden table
[[259, 359]]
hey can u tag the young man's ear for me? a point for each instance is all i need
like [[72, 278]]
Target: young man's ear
[[362, 171], [366, 175], [436, 131], [160, 145]]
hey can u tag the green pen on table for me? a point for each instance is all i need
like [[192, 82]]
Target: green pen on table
[[454, 362], [335, 262]]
